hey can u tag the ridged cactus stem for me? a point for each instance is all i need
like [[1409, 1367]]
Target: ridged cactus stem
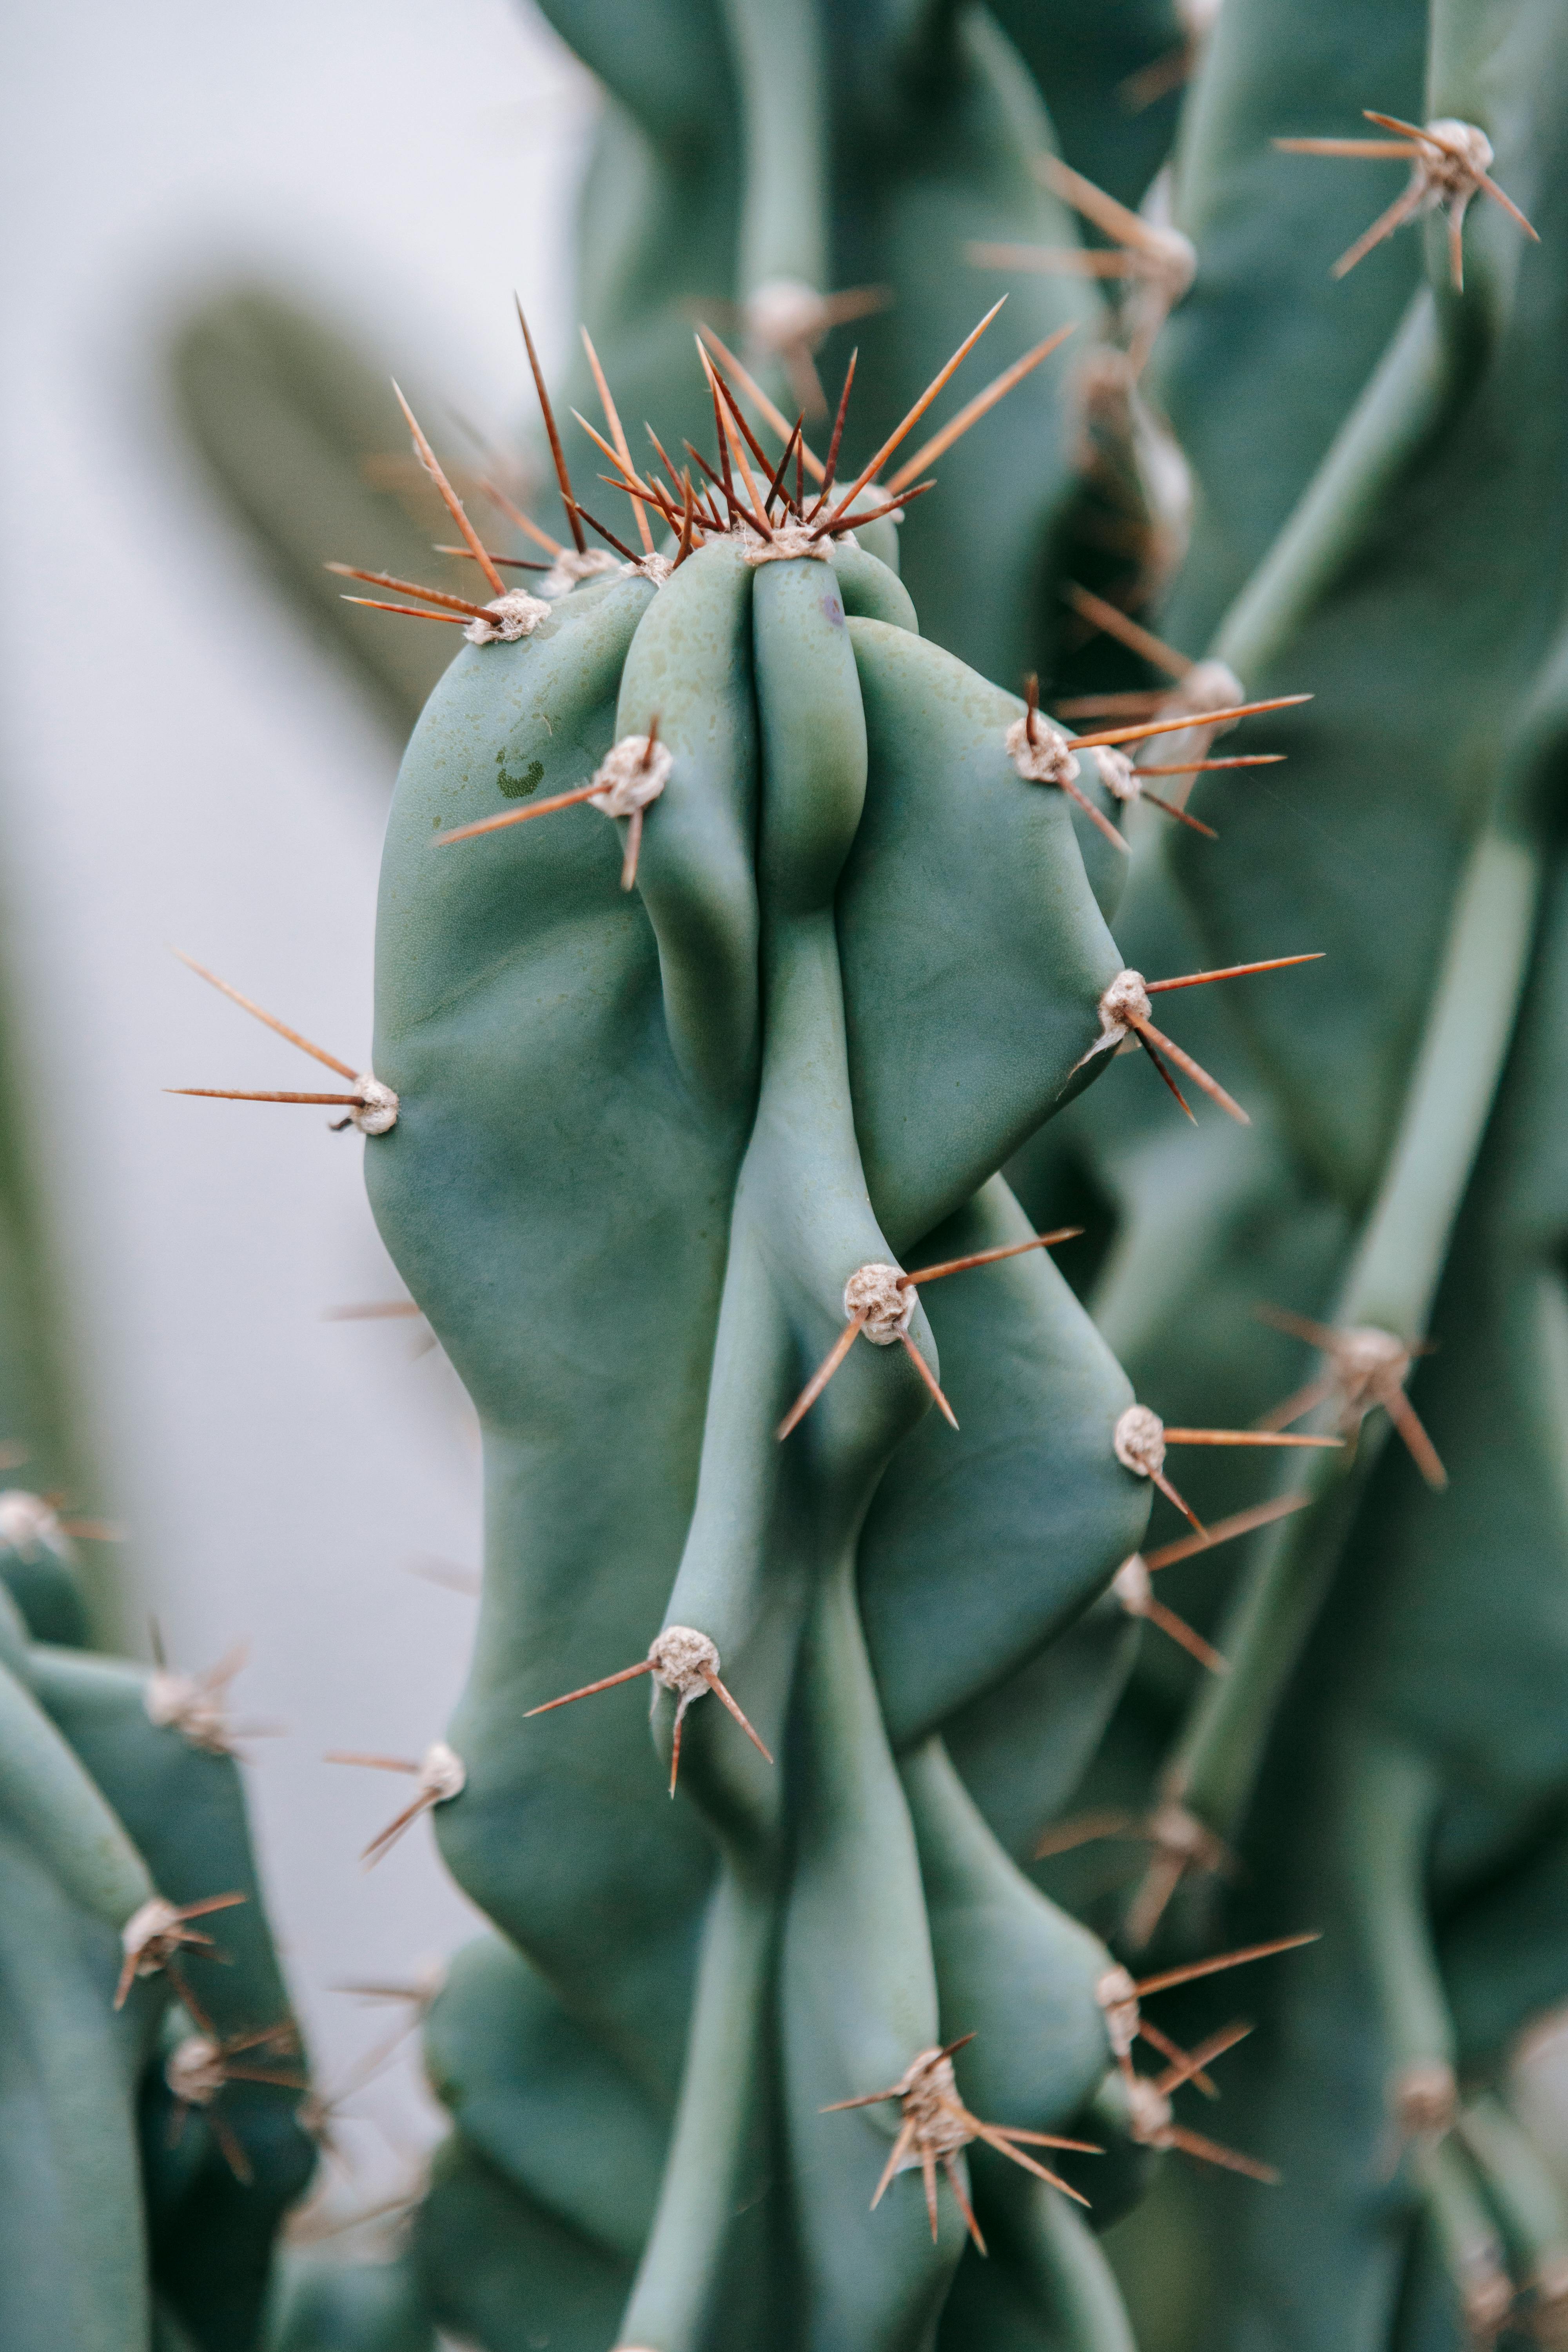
[[1391, 1285], [678, 2298], [53, 1803], [776, 46]]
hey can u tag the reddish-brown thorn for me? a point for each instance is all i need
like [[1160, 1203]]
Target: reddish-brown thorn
[[831, 468], [1171, 1496], [1159, 1065], [868, 472], [518, 816], [1098, 705], [633, 850], [1193, 2062], [1161, 1880], [775, 480], [233, 2154], [688, 520], [896, 2153], [653, 495], [514, 514], [1188, 721], [929, 1377], [270, 1019], [466, 555], [613, 420], [1404, 207], [1173, 2051], [1211, 2152], [988, 1256], [1387, 148], [556, 451], [410, 588], [1031, 707], [454, 504], [1222, 1960], [722, 1695], [1002, 2143], [1240, 1523], [410, 612], [1232, 971], [1117, 623], [1181, 815], [1097, 816], [1422, 1450], [874, 514], [1300, 1400], [608, 536], [1095, 205], [1246, 1437], [1202, 767], [983, 403], [725, 403], [822, 1374], [248, 1094], [608, 1682], [766, 408], [733, 406], [1044, 2139], [1086, 1830], [725, 489], [1186, 1635], [955, 2182], [1194, 1070], [928, 2176]]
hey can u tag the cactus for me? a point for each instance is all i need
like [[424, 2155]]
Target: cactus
[[152, 2141], [766, 1140], [640, 1154]]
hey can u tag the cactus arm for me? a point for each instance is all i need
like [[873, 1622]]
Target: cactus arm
[[1392, 1283], [212, 2236], [776, 49], [1085, 60], [1410, 393], [184, 1809], [52, 1805], [73, 2234], [286, 414], [1266, 331]]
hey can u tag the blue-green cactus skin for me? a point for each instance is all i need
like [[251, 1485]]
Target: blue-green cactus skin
[[642, 1141]]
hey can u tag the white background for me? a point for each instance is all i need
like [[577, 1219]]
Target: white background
[[179, 765]]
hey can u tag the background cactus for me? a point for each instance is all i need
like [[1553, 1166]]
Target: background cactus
[[152, 2138], [643, 1137]]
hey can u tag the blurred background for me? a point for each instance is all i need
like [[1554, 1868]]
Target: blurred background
[[181, 765]]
